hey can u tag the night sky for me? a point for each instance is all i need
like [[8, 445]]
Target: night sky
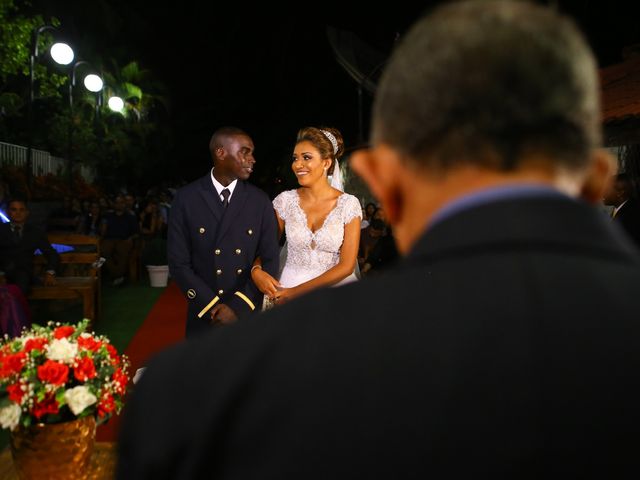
[[269, 69]]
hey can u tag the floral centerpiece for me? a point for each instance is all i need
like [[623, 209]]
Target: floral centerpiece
[[58, 373]]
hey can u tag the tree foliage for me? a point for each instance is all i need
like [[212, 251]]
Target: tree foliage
[[125, 148]]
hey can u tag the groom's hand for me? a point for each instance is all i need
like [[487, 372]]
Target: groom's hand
[[222, 314]]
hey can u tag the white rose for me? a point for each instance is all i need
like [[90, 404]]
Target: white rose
[[10, 416], [79, 398], [62, 350]]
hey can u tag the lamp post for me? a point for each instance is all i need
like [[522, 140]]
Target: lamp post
[[94, 84], [62, 54]]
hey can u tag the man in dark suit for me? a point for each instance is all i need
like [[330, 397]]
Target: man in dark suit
[[18, 242], [218, 225], [626, 207], [505, 345]]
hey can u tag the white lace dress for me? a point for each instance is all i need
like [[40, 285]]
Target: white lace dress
[[310, 254]]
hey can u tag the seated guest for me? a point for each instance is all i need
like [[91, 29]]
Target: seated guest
[[383, 255], [370, 235], [119, 230], [91, 222], [18, 242], [626, 206], [14, 310]]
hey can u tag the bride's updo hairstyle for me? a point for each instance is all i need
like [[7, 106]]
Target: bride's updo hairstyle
[[327, 140]]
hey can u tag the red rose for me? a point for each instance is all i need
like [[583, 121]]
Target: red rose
[[12, 363], [35, 344], [106, 405], [53, 372], [122, 379], [48, 405], [113, 353], [15, 393], [84, 369], [63, 332], [89, 343]]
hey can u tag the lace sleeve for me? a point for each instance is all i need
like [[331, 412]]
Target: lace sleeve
[[351, 210], [280, 205]]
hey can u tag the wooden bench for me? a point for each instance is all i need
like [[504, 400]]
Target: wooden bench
[[77, 277]]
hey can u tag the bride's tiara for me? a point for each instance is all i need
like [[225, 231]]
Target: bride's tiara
[[332, 139]]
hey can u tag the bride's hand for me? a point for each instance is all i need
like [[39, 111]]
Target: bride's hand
[[285, 295], [265, 282]]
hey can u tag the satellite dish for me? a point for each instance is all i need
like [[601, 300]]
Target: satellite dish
[[361, 61]]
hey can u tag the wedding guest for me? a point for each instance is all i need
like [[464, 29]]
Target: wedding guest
[[18, 242], [368, 211], [91, 222], [626, 205], [505, 345], [119, 231]]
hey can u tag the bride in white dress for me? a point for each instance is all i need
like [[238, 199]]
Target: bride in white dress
[[322, 223]]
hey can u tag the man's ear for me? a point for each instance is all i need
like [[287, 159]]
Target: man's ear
[[602, 169], [380, 170]]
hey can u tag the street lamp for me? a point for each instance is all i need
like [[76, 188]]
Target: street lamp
[[62, 54], [93, 83], [116, 104]]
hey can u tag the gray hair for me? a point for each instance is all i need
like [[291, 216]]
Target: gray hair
[[487, 82]]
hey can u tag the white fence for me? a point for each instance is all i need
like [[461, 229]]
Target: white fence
[[42, 163]]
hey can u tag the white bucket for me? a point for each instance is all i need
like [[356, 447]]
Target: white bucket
[[158, 275]]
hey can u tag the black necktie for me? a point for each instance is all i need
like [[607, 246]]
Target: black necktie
[[225, 197], [17, 232]]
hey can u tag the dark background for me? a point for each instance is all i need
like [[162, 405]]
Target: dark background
[[269, 68]]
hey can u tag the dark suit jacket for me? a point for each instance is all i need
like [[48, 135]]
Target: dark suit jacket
[[211, 250], [628, 217], [19, 255], [504, 346]]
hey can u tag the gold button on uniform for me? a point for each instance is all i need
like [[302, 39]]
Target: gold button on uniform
[[217, 251], [220, 292], [238, 251], [239, 271], [201, 230], [218, 272], [250, 232], [191, 293]]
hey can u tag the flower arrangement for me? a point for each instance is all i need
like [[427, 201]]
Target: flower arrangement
[[57, 373]]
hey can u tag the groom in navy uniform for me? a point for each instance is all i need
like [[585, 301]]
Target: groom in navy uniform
[[218, 225]]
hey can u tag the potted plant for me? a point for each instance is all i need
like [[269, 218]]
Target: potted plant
[[56, 382], [154, 256]]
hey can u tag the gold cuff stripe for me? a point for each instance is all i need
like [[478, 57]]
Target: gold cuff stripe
[[246, 299], [208, 307]]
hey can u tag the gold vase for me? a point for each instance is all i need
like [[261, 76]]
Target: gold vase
[[54, 451]]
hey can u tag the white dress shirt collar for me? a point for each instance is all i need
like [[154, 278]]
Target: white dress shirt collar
[[617, 209], [219, 187]]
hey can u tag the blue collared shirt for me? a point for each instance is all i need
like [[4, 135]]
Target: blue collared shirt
[[493, 194]]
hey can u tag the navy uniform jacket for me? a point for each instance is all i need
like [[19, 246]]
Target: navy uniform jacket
[[211, 250]]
